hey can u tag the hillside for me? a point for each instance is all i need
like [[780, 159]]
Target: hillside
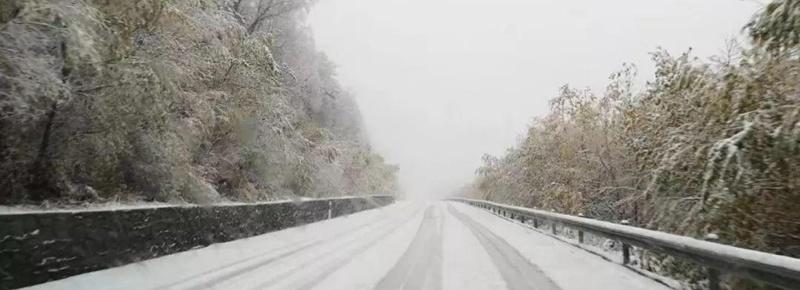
[[174, 100]]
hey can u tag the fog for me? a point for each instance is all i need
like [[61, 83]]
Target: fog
[[441, 82]]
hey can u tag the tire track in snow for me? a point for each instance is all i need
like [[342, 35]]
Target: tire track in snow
[[421, 265], [230, 271], [340, 256], [516, 270], [267, 260]]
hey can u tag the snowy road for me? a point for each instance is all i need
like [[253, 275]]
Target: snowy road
[[442, 245]]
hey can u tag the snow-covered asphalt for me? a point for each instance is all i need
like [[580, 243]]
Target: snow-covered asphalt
[[407, 245]]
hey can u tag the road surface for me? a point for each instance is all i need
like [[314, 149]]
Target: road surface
[[438, 245]]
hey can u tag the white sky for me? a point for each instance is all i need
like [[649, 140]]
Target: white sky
[[441, 82]]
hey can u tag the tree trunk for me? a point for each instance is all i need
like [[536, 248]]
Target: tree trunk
[[40, 187]]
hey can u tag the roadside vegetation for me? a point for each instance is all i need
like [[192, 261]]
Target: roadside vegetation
[[706, 146], [175, 101]]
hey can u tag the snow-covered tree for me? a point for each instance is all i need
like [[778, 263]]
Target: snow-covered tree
[[174, 100]]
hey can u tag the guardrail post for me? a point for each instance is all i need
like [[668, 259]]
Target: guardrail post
[[626, 249], [713, 273], [580, 232], [330, 209], [762, 267], [553, 227]]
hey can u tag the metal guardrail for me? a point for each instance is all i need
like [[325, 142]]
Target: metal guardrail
[[775, 270]]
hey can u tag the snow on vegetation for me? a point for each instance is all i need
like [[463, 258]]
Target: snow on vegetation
[[174, 101], [706, 147]]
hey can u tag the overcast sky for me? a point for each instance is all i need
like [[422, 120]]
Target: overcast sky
[[441, 82]]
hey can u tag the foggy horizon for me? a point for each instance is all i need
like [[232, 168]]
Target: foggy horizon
[[464, 78]]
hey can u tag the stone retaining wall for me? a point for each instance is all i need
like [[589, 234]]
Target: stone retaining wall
[[40, 247]]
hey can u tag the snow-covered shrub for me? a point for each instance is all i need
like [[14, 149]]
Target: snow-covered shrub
[[705, 147]]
